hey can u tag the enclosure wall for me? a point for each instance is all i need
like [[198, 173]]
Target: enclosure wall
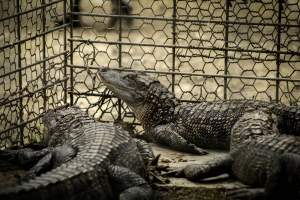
[[200, 50], [32, 67]]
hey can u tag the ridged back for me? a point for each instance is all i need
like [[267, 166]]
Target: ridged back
[[88, 168], [253, 161]]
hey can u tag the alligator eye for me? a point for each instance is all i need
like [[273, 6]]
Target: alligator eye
[[130, 76]]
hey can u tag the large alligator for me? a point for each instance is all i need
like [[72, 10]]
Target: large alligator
[[84, 160], [188, 127], [270, 163]]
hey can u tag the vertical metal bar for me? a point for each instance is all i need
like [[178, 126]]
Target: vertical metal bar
[[120, 53], [174, 43], [44, 55], [65, 54], [278, 50], [71, 56], [18, 26], [226, 47]]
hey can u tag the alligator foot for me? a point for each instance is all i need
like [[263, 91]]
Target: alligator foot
[[23, 157], [132, 185], [167, 135], [197, 172], [179, 172], [246, 194]]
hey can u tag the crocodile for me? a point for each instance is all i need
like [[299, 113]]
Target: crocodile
[[84, 159], [191, 127], [269, 163]]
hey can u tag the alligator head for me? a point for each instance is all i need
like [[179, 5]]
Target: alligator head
[[151, 102], [58, 122]]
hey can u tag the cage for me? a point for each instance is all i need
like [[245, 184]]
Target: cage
[[50, 51]]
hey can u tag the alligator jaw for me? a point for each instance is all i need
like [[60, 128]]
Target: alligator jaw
[[123, 85]]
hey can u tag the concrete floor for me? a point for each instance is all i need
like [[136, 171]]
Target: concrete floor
[[183, 189]]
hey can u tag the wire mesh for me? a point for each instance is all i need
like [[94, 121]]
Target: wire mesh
[[32, 66], [199, 49]]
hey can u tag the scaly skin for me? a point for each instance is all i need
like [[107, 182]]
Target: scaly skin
[[192, 126], [262, 158], [91, 160]]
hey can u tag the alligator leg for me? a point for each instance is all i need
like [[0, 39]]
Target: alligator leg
[[145, 151], [23, 157], [40, 167], [246, 193], [130, 185], [196, 172], [53, 158], [167, 135], [284, 181]]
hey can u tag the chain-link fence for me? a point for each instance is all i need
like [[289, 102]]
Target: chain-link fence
[[200, 49]]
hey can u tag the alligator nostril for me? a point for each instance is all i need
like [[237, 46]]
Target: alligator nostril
[[103, 69]]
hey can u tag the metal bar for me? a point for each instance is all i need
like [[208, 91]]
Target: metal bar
[[120, 55], [278, 50], [226, 26], [240, 58], [71, 55], [185, 47], [193, 74], [94, 94], [44, 81], [65, 54], [33, 92], [183, 20], [31, 65], [33, 37], [28, 121], [23, 124], [21, 134], [30, 11], [112, 96], [174, 44]]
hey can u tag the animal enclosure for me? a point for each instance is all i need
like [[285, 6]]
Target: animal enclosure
[[199, 49]]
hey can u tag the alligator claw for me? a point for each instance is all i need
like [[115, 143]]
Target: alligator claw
[[179, 172], [198, 150], [28, 176], [245, 194]]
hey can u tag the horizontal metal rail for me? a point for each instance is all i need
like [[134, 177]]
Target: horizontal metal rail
[[31, 10], [30, 120], [180, 19], [107, 96], [33, 37], [193, 74], [36, 63], [33, 92], [185, 47]]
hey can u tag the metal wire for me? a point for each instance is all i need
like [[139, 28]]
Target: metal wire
[[31, 67], [201, 50]]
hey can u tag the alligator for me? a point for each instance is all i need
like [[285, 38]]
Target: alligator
[[190, 127], [84, 159], [269, 163]]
